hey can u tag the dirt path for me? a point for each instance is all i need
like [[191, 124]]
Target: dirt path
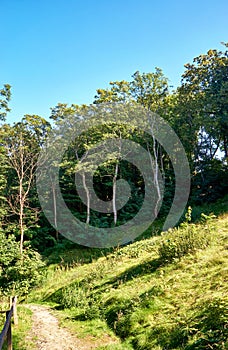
[[49, 335]]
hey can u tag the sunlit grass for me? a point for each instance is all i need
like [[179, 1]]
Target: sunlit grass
[[143, 301]]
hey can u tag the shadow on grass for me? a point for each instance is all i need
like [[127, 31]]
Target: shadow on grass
[[139, 270], [71, 255], [143, 269]]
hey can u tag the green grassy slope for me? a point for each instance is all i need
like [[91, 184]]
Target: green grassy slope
[[166, 292]]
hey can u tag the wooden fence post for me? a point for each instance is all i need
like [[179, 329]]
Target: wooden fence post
[[9, 334], [6, 333], [15, 317]]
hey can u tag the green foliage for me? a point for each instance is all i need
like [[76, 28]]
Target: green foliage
[[186, 239], [18, 272], [81, 298], [21, 145], [217, 208], [210, 183], [204, 88], [5, 95]]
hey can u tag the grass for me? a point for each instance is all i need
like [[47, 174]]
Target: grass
[[20, 332], [164, 292], [21, 341]]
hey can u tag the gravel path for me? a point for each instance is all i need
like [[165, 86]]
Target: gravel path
[[50, 336]]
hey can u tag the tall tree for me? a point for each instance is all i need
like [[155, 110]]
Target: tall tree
[[150, 90], [22, 143], [200, 118], [5, 94], [204, 98]]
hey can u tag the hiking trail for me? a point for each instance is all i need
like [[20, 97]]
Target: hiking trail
[[47, 334]]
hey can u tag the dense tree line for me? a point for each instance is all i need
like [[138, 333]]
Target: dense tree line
[[197, 111]]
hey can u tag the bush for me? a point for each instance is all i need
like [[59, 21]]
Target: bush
[[186, 239], [18, 272], [80, 296]]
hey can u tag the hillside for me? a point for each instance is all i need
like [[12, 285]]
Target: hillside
[[165, 292]]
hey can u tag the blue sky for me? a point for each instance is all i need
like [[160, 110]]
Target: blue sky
[[62, 51]]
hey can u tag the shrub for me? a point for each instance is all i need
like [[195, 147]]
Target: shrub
[[18, 272], [80, 296], [186, 239]]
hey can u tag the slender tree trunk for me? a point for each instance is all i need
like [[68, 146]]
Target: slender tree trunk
[[21, 231], [114, 192], [215, 151], [155, 169], [21, 214], [162, 163], [55, 211], [225, 148], [87, 198]]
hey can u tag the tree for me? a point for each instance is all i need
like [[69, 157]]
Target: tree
[[204, 97], [201, 112], [5, 95], [152, 92], [22, 143], [78, 157], [147, 89]]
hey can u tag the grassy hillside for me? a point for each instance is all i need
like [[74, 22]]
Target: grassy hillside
[[165, 292]]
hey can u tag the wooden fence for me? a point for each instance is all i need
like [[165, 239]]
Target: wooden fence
[[6, 333]]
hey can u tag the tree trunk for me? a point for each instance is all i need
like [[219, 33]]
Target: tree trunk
[[225, 148], [114, 192], [21, 214], [155, 169], [87, 198], [55, 211]]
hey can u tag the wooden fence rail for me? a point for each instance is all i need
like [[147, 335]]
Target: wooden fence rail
[[6, 333]]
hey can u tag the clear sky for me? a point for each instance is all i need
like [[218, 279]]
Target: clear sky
[[62, 51]]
